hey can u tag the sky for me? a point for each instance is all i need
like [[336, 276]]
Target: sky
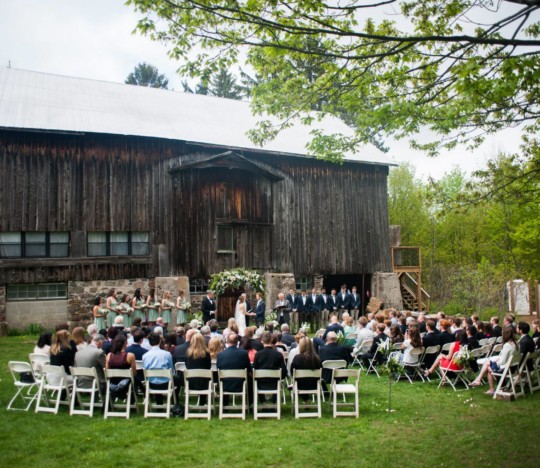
[[94, 39]]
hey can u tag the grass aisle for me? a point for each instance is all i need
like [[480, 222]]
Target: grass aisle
[[431, 427]]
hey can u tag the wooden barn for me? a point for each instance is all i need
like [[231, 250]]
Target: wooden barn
[[107, 184]]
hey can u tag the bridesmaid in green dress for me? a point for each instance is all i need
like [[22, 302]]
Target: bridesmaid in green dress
[[181, 307], [111, 306], [126, 310], [99, 314], [153, 307], [138, 304], [166, 308]]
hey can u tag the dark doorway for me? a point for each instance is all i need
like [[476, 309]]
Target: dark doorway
[[362, 281], [226, 304]]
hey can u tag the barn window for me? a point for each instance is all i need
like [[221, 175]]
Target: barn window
[[304, 282], [35, 292], [198, 286], [103, 244], [225, 238], [34, 244]]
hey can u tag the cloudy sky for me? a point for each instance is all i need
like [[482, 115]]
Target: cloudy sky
[[93, 39]]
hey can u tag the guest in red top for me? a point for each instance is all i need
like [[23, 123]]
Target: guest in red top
[[447, 362]]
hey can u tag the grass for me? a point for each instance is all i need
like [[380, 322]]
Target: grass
[[430, 427]]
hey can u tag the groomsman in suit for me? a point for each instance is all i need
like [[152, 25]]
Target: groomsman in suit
[[356, 303], [303, 307], [324, 308], [260, 309], [283, 309], [344, 301], [334, 303], [208, 307], [292, 297], [314, 314]]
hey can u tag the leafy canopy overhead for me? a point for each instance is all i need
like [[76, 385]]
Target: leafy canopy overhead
[[148, 75], [463, 68]]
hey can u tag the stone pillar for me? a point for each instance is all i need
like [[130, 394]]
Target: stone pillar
[[385, 286], [276, 283]]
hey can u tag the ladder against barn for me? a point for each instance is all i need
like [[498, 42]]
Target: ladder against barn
[[407, 263]]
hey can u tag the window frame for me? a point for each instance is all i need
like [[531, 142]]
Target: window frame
[[110, 244], [230, 228], [38, 295], [25, 245]]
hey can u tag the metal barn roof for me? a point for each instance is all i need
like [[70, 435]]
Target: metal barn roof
[[41, 101]]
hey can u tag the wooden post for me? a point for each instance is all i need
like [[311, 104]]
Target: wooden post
[[419, 292], [512, 300]]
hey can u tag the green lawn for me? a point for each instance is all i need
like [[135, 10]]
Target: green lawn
[[431, 427]]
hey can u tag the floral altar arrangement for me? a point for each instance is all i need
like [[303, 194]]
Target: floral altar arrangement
[[197, 316], [271, 319], [236, 279], [306, 328]]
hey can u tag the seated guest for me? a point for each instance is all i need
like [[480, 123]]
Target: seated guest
[[294, 351], [306, 359], [180, 335], [536, 332], [445, 336], [215, 346], [526, 343], [497, 330], [92, 356], [472, 341], [497, 363], [422, 323], [430, 339], [119, 358], [332, 351], [77, 335], [136, 348], [318, 341], [481, 330], [456, 324], [277, 343], [158, 358], [447, 361], [257, 344], [234, 358], [206, 333], [268, 358], [348, 328], [170, 342], [395, 335], [333, 327], [403, 325], [232, 327], [413, 340], [247, 344], [286, 336], [379, 339], [63, 352], [112, 333], [91, 330], [363, 331], [198, 357], [43, 345], [214, 328], [179, 354]]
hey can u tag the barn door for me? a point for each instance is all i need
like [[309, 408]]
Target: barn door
[[226, 304]]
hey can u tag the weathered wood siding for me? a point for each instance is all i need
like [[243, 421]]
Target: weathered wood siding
[[320, 219]]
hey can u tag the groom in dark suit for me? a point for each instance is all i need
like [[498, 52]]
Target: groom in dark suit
[[260, 309], [234, 358], [208, 307]]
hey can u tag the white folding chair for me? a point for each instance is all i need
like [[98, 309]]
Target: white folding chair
[[495, 350], [298, 375], [332, 364], [113, 402], [198, 411], [85, 382], [430, 351], [232, 374], [38, 361], [345, 388], [508, 372], [372, 363], [445, 349], [25, 382], [533, 375], [168, 393], [351, 336], [419, 352], [54, 380], [360, 349], [453, 377], [266, 374], [483, 341]]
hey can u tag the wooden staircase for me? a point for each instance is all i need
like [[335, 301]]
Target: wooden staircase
[[407, 263]]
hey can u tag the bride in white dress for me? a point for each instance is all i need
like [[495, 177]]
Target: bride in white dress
[[240, 315]]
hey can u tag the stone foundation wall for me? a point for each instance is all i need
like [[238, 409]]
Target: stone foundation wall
[[385, 286], [20, 314], [3, 317], [276, 283]]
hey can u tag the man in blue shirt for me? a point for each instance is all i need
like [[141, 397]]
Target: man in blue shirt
[[158, 358]]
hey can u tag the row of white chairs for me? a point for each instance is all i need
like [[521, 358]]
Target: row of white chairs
[[49, 387]]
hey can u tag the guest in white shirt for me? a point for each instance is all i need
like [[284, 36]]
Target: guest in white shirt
[[43, 345]]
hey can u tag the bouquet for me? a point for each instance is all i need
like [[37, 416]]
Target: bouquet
[[271, 319], [305, 327], [462, 358], [340, 338], [198, 316]]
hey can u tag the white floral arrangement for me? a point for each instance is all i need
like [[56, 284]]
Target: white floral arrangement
[[271, 319], [306, 328], [340, 338], [462, 358], [197, 316], [236, 279]]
